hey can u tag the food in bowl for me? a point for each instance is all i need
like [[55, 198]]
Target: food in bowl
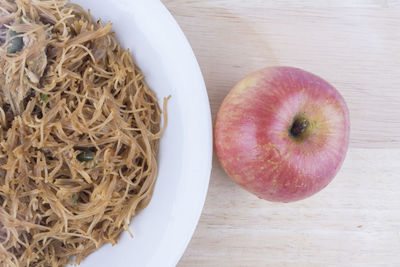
[[79, 134]]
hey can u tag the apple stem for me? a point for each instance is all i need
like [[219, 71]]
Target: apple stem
[[298, 128]]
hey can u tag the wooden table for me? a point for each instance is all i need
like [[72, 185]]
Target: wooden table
[[355, 45]]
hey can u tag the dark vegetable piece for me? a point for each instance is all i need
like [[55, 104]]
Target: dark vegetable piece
[[16, 44], [28, 96], [85, 156]]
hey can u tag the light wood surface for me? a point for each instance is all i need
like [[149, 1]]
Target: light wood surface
[[355, 45]]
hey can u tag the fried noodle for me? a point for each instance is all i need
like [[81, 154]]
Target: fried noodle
[[79, 133]]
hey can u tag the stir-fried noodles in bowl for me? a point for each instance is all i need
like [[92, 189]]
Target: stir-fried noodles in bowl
[[79, 133]]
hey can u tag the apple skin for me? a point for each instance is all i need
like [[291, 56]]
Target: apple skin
[[256, 139]]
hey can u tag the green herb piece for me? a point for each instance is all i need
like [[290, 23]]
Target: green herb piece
[[75, 197], [13, 33], [16, 44], [44, 98], [85, 156]]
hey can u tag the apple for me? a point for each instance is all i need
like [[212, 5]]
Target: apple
[[282, 133]]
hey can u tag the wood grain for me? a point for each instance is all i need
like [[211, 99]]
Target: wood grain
[[354, 45]]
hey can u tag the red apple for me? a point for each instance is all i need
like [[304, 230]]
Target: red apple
[[282, 133]]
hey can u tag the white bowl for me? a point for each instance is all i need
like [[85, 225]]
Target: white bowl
[[163, 230]]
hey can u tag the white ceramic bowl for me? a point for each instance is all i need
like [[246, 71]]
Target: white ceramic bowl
[[163, 230]]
